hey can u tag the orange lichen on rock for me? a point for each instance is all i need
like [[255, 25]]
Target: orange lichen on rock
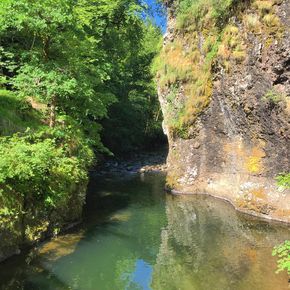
[[259, 193], [250, 158], [235, 148], [254, 162]]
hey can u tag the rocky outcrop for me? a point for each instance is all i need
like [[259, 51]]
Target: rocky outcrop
[[34, 223], [238, 142]]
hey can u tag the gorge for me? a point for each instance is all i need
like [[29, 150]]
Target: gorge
[[91, 94]]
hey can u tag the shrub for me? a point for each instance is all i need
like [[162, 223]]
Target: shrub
[[283, 180], [273, 96], [283, 253], [46, 165]]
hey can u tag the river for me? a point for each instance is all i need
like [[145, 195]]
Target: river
[[135, 236]]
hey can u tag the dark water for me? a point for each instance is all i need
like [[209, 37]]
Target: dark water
[[137, 237]]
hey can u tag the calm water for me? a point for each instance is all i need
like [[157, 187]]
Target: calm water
[[137, 237]]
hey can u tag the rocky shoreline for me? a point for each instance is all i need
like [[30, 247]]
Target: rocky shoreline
[[139, 163], [228, 200]]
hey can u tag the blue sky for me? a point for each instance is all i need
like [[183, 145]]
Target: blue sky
[[159, 19]]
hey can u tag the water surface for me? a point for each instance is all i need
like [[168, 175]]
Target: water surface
[[134, 236]]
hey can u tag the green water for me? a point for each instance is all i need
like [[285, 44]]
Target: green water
[[137, 237]]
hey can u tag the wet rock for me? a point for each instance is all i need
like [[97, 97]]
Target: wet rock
[[140, 163]]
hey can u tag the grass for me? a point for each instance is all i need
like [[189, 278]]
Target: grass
[[274, 96], [252, 22], [232, 46], [187, 67], [264, 6], [16, 115], [271, 20]]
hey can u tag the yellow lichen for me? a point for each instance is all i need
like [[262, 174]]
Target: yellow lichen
[[249, 158], [254, 163]]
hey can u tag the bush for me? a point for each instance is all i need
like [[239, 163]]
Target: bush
[[283, 180], [283, 253], [46, 165], [273, 96]]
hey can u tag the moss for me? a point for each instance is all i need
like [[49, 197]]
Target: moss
[[274, 96], [283, 180], [171, 181]]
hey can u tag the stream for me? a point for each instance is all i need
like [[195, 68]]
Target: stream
[[137, 237]]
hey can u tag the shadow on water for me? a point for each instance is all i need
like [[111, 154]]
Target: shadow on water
[[134, 236]]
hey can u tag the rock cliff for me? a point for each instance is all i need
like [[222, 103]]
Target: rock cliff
[[224, 86]]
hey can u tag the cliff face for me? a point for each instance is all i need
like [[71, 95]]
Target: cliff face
[[224, 86]]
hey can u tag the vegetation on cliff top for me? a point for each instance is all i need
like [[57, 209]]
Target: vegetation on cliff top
[[206, 35]]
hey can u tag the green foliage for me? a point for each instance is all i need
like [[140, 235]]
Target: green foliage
[[134, 121], [283, 253], [273, 96], [283, 180], [78, 58], [62, 65], [196, 14], [46, 165], [16, 114]]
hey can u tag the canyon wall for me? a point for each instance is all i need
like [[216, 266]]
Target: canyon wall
[[224, 86]]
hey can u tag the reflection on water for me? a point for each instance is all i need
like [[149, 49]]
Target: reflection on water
[[208, 245], [136, 237]]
